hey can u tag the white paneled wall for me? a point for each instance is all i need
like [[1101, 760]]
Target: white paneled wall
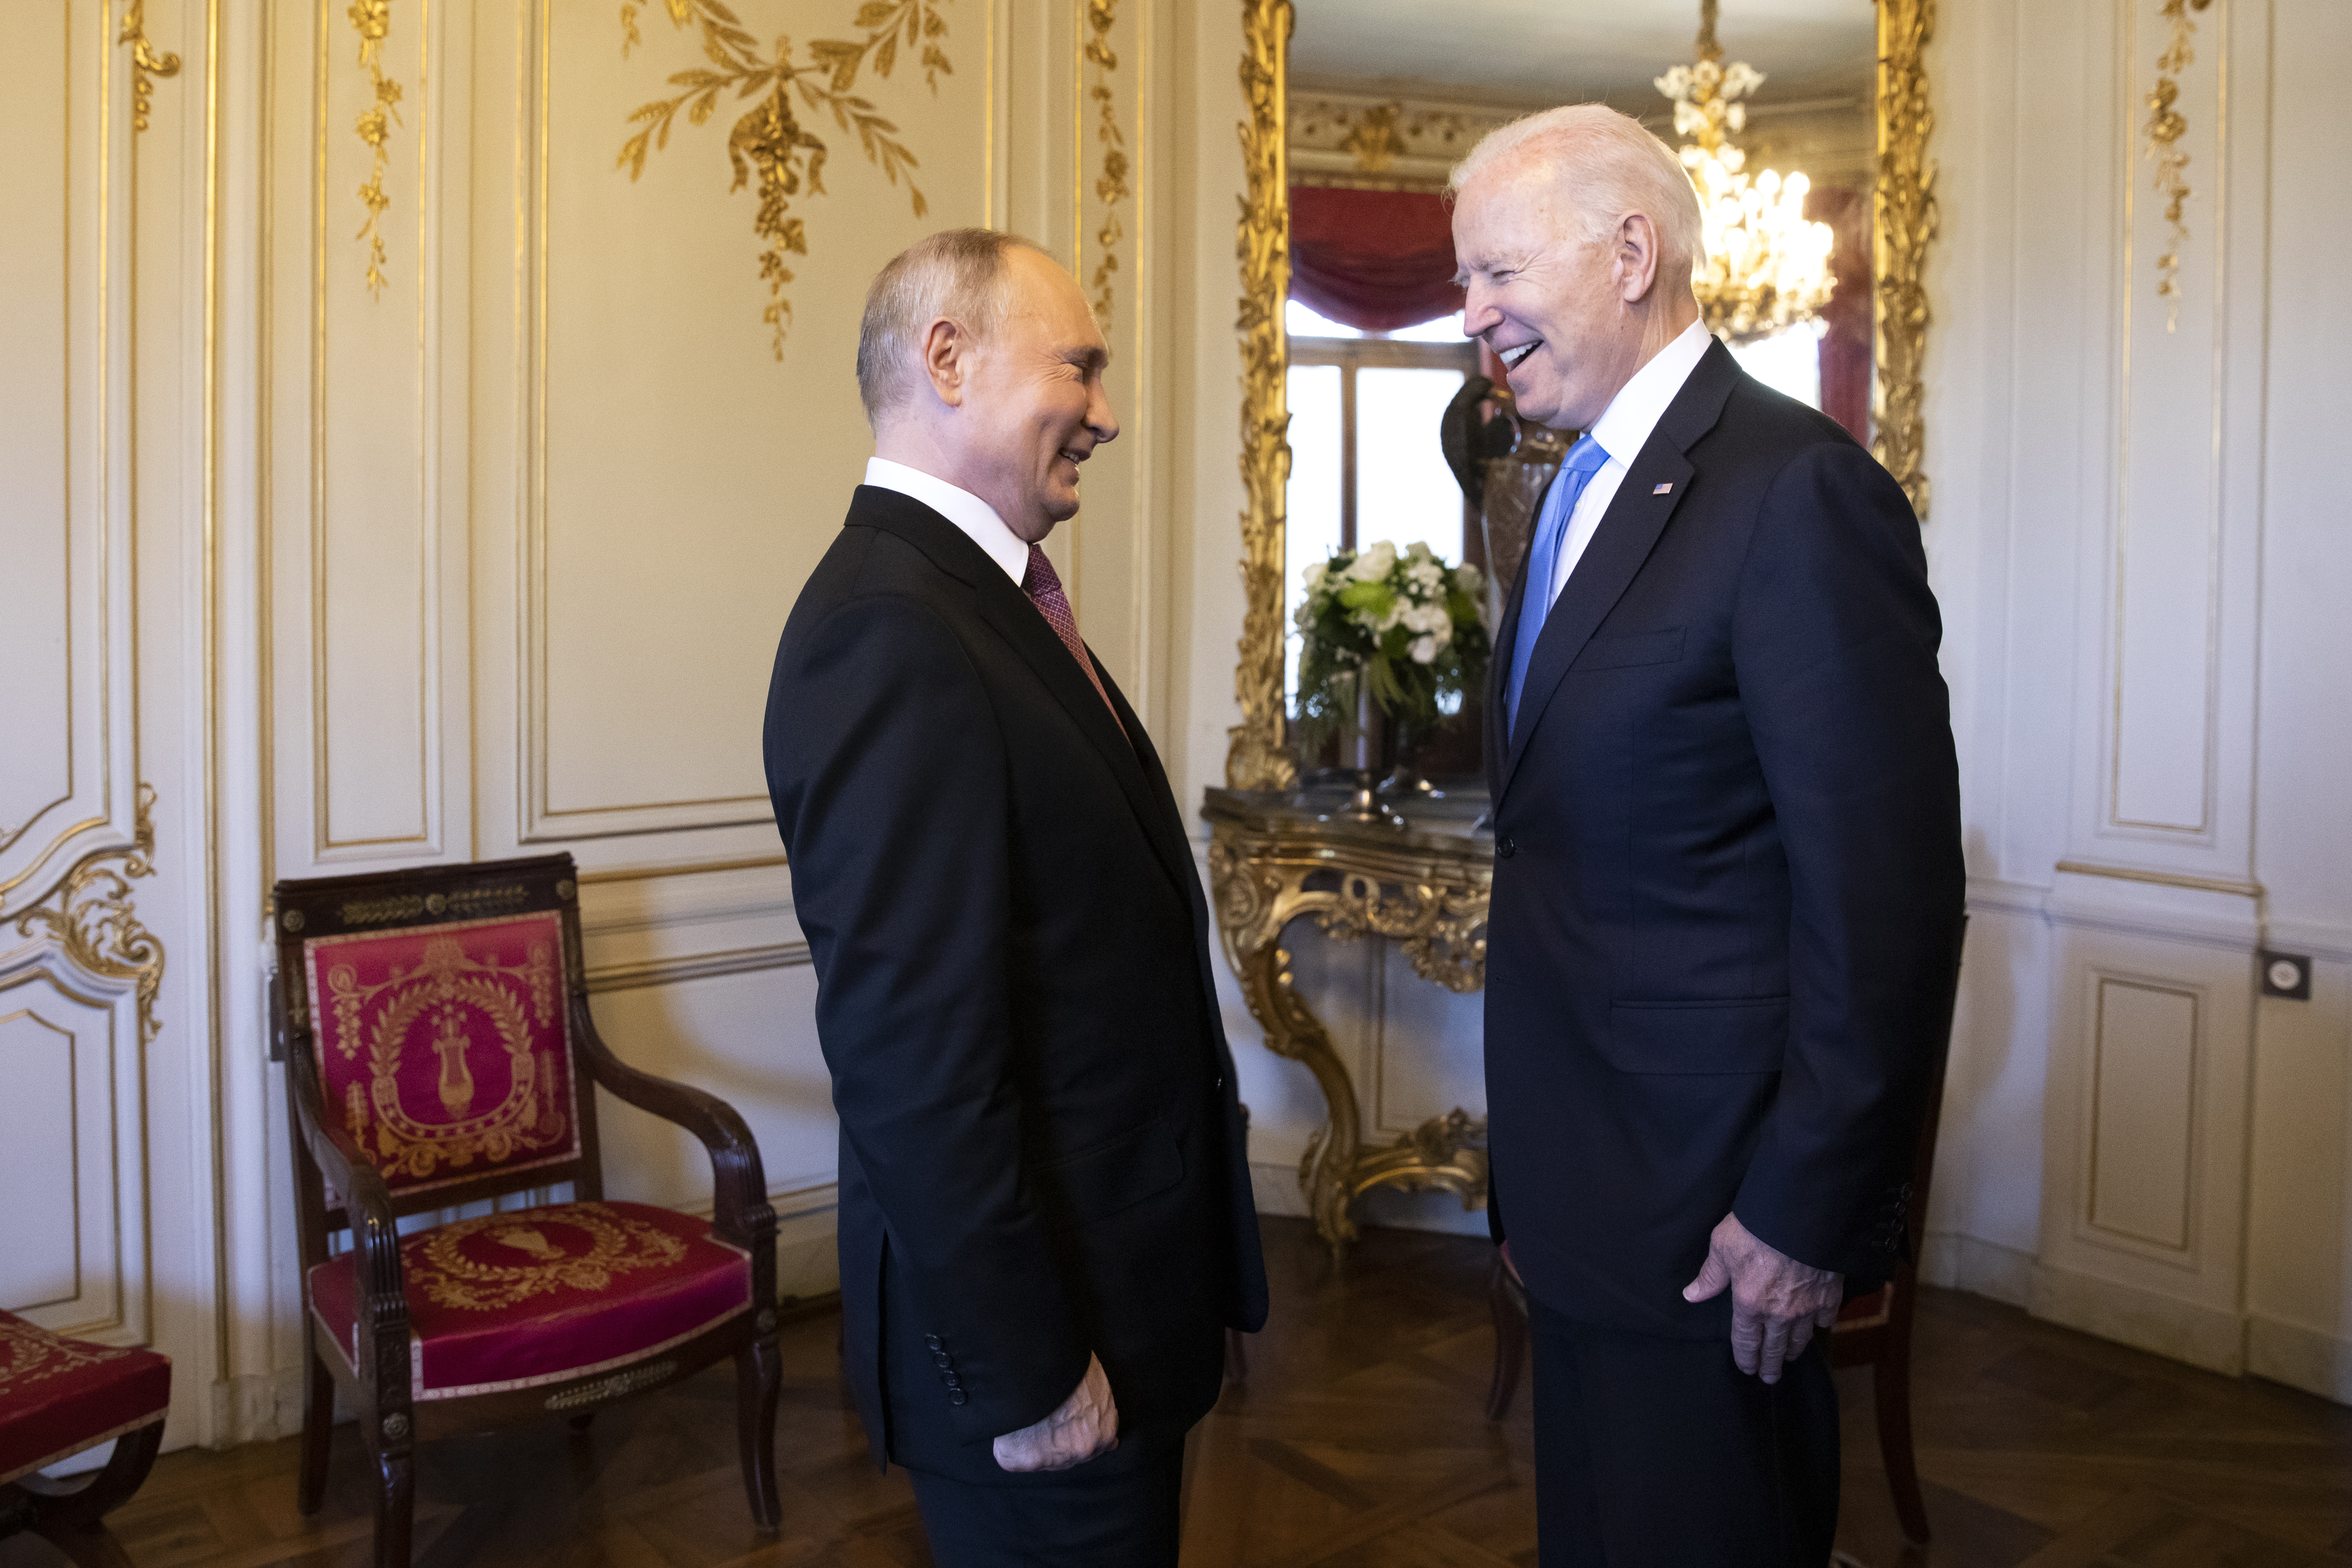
[[2139, 546]]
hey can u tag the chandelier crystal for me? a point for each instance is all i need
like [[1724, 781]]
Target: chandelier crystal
[[1764, 268]]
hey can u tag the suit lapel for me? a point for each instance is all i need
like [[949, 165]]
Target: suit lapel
[[1171, 842], [1498, 667], [1010, 613], [1629, 531]]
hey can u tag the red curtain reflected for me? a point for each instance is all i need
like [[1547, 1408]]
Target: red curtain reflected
[[1845, 347], [1373, 261]]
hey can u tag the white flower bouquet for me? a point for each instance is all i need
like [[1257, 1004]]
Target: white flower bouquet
[[1408, 627]]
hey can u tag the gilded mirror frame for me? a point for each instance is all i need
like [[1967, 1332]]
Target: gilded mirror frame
[[1902, 223]]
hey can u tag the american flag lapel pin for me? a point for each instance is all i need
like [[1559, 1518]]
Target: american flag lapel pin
[[1666, 488]]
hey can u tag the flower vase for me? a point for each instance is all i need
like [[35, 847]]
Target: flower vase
[[1360, 752]]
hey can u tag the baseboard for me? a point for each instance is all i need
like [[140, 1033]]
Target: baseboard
[[2184, 1330], [1981, 1268], [808, 1257], [258, 1407], [2300, 1358]]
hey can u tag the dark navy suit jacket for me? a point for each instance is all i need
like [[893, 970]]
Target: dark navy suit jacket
[[1728, 887], [1041, 1149]]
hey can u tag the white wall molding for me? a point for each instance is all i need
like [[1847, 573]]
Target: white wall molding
[[2205, 1336], [2301, 1357], [1958, 1262]]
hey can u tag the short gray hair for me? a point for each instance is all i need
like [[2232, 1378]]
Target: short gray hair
[[958, 273], [1608, 168]]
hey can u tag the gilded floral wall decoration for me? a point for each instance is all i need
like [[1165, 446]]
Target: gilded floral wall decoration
[[769, 144]]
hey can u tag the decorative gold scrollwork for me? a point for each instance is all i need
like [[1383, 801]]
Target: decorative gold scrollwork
[[90, 915], [1256, 757], [146, 62], [2166, 126], [1904, 218], [1111, 186], [371, 19], [1265, 871], [770, 141]]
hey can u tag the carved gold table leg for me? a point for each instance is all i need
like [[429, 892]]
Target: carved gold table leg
[[1258, 895]]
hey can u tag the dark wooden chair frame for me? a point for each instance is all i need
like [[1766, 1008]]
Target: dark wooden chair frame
[[391, 1422], [71, 1514], [1882, 1344]]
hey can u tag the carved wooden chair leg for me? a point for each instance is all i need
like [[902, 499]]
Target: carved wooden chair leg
[[1509, 1307], [581, 1422], [395, 1507], [318, 1431], [86, 1545], [76, 1505], [1891, 1382], [759, 1382]]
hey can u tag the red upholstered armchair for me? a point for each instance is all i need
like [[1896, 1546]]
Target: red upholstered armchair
[[58, 1397], [440, 1052]]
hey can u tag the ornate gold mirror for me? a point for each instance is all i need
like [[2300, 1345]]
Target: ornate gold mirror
[[1382, 96]]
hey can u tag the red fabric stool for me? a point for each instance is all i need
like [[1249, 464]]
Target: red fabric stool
[[58, 1397]]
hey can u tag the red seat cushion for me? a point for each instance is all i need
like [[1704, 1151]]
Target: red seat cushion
[[543, 1295], [58, 1396], [1867, 1312]]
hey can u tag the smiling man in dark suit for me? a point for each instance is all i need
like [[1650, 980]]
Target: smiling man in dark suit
[[1046, 1214], [1728, 887]]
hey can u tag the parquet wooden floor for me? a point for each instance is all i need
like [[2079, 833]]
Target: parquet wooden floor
[[1357, 1441]]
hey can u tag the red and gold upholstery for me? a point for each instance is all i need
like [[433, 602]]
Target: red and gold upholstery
[[444, 1050], [541, 1295], [59, 1397]]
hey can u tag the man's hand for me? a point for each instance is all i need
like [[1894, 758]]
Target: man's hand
[[1084, 1426], [1776, 1303]]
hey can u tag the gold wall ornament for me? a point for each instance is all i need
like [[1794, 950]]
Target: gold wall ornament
[[1903, 220], [96, 923], [1270, 865], [146, 63], [1255, 756], [1375, 135], [371, 19], [1111, 186], [2166, 126], [770, 142]]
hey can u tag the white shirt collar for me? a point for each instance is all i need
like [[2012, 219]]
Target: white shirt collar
[[958, 506], [1623, 428]]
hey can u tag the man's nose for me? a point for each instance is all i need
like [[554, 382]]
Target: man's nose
[[1479, 315], [1100, 420]]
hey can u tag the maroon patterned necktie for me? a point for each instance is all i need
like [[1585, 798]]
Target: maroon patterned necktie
[[1044, 587]]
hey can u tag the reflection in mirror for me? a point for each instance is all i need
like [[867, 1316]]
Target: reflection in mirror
[[1771, 101]]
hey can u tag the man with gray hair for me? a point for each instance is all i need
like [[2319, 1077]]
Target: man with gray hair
[[1728, 884], [1046, 1218]]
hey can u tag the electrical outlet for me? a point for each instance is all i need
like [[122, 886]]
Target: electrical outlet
[[2286, 975]]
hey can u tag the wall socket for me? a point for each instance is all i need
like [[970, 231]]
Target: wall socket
[[2286, 975]]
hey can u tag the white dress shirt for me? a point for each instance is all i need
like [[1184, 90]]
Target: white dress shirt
[[1623, 430], [961, 507]]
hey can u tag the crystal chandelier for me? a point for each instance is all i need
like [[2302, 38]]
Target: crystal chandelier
[[1763, 266]]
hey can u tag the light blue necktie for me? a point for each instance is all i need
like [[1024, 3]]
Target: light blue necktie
[[1584, 460]]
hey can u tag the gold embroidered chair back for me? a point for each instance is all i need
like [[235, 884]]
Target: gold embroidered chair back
[[445, 1049]]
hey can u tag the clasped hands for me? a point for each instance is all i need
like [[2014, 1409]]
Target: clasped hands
[[1083, 1427], [1776, 1303]]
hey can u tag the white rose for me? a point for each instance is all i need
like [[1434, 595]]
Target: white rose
[[1313, 576], [1424, 650], [1375, 563]]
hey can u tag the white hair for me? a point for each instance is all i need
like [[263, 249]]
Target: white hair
[[957, 273], [1608, 168]]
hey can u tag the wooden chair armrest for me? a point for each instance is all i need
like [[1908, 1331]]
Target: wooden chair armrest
[[739, 1182], [381, 1296]]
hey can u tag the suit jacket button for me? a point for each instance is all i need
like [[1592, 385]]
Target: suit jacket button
[[957, 1397], [931, 1342], [1505, 847]]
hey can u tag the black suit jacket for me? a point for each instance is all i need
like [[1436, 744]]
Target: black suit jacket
[[1728, 887], [1041, 1145]]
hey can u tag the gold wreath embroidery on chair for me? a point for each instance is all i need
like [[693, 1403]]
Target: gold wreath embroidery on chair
[[27, 1354], [438, 1001], [616, 1245]]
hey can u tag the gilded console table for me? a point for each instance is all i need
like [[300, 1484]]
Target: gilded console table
[[1274, 857]]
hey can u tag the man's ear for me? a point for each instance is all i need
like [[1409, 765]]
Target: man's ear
[[1637, 258], [947, 360]]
